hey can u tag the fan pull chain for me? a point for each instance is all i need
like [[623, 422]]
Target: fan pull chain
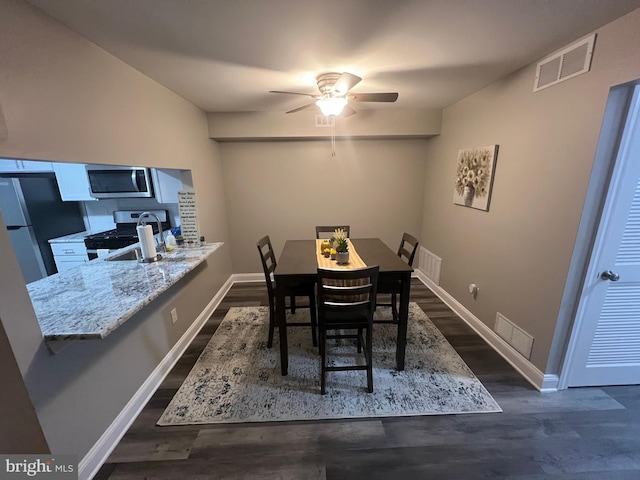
[[333, 136]]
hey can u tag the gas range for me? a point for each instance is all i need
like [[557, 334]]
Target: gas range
[[125, 233]]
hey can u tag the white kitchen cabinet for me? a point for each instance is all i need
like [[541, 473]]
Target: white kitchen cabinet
[[24, 166], [167, 182], [8, 166], [73, 182], [35, 166], [68, 255]]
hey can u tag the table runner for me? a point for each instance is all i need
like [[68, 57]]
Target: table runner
[[354, 259]]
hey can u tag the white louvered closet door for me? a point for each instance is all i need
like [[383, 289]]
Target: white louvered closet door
[[608, 352]]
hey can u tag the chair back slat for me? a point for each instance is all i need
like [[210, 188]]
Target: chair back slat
[[329, 303], [347, 292], [408, 248], [326, 231], [268, 259]]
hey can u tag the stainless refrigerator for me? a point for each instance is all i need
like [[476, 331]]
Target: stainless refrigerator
[[34, 213]]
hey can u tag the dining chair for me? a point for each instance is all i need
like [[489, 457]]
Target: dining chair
[[346, 302], [269, 264], [326, 231], [407, 251]]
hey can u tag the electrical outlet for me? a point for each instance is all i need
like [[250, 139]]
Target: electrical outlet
[[174, 315]]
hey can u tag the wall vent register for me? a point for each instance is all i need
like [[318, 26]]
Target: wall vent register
[[520, 340], [569, 62], [430, 264]]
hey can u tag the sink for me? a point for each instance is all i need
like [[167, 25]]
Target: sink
[[129, 255]]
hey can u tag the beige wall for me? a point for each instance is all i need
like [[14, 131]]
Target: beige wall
[[65, 99], [284, 189], [20, 431], [519, 252]]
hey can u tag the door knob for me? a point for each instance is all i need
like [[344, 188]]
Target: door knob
[[609, 275]]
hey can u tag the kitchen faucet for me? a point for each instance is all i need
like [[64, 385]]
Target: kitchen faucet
[[160, 244]]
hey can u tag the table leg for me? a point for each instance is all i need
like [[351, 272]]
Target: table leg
[[403, 320], [281, 322]]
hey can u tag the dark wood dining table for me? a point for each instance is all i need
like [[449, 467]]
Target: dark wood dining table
[[298, 264]]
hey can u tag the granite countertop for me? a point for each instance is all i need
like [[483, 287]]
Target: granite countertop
[[74, 237], [92, 300]]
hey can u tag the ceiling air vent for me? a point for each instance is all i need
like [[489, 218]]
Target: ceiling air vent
[[565, 64], [325, 121]]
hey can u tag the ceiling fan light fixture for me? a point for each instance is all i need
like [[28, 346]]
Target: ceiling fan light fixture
[[332, 106]]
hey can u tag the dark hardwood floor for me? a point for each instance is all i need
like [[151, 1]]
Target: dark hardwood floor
[[586, 433]]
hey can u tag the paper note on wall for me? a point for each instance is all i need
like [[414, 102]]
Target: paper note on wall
[[188, 216]]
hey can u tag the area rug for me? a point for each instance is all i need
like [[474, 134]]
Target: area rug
[[237, 378]]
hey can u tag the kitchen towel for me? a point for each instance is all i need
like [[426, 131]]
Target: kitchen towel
[[102, 252], [147, 242]]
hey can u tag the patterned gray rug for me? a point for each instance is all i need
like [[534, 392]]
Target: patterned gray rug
[[237, 378]]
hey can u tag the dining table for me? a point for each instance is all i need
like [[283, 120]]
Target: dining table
[[298, 264]]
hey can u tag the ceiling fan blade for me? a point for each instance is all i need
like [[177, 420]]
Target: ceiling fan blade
[[294, 93], [345, 82], [310, 105], [374, 97], [348, 111]]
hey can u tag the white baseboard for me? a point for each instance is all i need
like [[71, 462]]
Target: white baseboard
[[95, 458], [550, 383], [247, 277], [544, 383]]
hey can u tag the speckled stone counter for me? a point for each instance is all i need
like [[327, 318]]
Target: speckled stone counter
[[72, 238], [91, 301]]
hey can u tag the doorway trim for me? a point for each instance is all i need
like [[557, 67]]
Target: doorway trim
[[614, 120]]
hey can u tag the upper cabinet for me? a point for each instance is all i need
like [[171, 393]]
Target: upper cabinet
[[24, 166], [167, 182], [72, 181]]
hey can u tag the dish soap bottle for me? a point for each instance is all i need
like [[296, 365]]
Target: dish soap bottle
[[171, 240]]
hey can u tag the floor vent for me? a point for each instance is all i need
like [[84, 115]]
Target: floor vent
[[514, 336], [567, 63], [430, 264]]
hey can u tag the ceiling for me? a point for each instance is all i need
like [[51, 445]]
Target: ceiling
[[225, 55]]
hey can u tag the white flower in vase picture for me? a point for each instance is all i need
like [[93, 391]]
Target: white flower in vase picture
[[474, 175]]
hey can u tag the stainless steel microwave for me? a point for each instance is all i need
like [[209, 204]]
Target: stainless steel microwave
[[110, 181]]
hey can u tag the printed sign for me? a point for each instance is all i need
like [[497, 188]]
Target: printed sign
[[188, 217], [50, 467]]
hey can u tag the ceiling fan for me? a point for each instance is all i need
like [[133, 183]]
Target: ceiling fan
[[334, 94]]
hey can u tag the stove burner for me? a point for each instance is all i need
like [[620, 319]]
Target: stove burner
[[122, 232], [123, 235]]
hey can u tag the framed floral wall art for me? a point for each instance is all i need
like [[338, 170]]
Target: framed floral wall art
[[474, 177]]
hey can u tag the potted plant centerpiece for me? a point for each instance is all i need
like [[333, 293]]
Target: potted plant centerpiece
[[342, 246]]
